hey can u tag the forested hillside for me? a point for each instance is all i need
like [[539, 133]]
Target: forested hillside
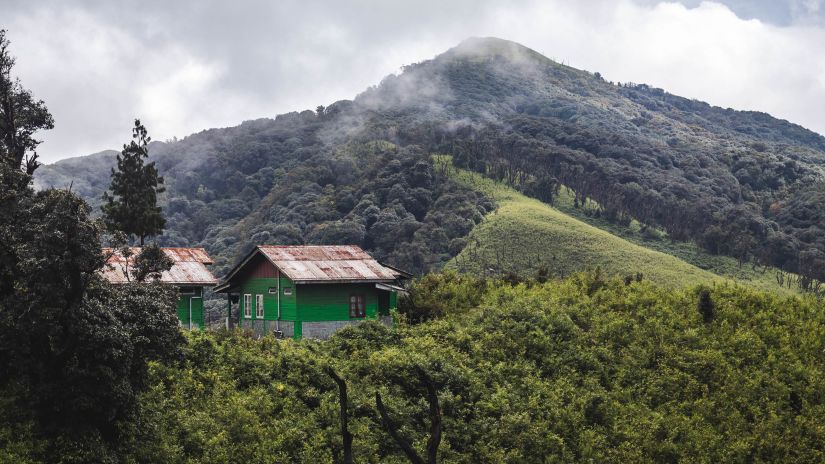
[[526, 237], [742, 184], [581, 370]]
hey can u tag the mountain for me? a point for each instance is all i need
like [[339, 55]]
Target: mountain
[[740, 184]]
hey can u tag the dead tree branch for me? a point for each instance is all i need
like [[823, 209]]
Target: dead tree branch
[[342, 398], [433, 441]]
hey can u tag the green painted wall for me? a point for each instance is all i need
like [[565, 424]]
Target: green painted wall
[[330, 302], [393, 302], [197, 310], [261, 286]]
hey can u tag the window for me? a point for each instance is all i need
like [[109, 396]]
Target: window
[[356, 306], [187, 290], [247, 305], [259, 306], [287, 291], [273, 290]]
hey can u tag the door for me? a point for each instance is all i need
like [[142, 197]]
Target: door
[[383, 303], [183, 310], [196, 305]]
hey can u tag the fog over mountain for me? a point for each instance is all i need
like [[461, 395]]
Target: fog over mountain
[[736, 183], [193, 65]]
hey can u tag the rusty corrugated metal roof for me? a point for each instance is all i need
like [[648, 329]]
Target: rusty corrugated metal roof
[[189, 267], [327, 263]]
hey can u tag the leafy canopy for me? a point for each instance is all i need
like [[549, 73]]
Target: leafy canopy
[[21, 115]]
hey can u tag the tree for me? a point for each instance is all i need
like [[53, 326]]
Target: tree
[[151, 262], [20, 116], [77, 345], [705, 305], [131, 207], [346, 436], [74, 349]]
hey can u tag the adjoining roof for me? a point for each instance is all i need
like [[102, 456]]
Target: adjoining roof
[[321, 264], [189, 267]]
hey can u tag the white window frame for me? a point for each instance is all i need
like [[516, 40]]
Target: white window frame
[[247, 305], [259, 306], [287, 291]]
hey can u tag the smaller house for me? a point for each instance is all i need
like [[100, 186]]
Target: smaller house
[[310, 291], [188, 273]]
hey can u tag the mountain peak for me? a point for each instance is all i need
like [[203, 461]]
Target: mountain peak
[[487, 47]]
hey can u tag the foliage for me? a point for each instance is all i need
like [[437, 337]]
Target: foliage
[[20, 116], [73, 348], [430, 296], [584, 369], [131, 207], [151, 262]]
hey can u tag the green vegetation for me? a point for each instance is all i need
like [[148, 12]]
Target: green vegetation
[[74, 349], [523, 236], [762, 277], [131, 207], [581, 369], [584, 369]]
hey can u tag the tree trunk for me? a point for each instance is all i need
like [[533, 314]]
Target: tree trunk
[[342, 398], [435, 424]]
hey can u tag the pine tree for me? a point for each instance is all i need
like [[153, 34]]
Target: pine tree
[[131, 207]]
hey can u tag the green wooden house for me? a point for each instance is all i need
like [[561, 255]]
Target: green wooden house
[[188, 273], [309, 291]]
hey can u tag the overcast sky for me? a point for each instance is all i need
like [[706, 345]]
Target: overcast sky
[[189, 65]]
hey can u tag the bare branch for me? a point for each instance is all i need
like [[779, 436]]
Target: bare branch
[[342, 397], [392, 428]]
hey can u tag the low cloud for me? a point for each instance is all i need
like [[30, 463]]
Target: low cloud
[[187, 66]]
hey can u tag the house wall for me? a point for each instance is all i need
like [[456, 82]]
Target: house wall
[[323, 309], [260, 286], [330, 302], [197, 310]]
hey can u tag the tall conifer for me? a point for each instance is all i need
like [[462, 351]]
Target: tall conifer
[[131, 207]]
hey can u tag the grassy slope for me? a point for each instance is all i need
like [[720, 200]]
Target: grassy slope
[[759, 277], [524, 233]]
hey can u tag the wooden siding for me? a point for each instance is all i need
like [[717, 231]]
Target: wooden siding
[[330, 302], [261, 267], [261, 286], [197, 310]]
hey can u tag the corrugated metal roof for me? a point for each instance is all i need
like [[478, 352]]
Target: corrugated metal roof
[[189, 267], [327, 263]]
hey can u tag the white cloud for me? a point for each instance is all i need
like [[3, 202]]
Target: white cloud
[[188, 66]]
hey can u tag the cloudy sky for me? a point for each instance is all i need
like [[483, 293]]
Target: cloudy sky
[[188, 65]]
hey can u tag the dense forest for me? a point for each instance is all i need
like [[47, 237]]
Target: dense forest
[[737, 183], [586, 369]]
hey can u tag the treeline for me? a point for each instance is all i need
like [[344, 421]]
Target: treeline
[[757, 222]]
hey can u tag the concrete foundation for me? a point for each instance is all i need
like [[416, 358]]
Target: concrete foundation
[[325, 329], [313, 330], [262, 327]]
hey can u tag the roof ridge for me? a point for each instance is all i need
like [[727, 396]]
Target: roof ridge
[[308, 246]]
